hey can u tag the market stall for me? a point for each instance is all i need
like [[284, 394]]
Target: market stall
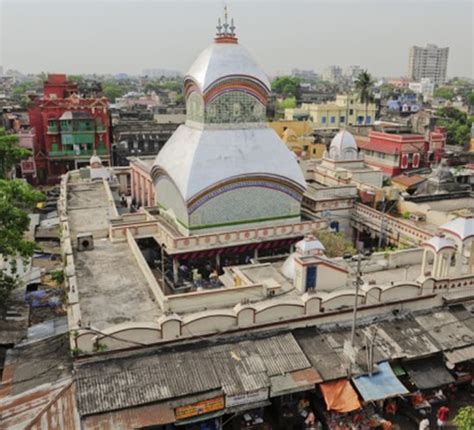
[[379, 386], [341, 403]]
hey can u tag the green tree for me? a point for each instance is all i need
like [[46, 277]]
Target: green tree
[[19, 92], [364, 85], [464, 419], [470, 98], [10, 153], [79, 79], [112, 91], [446, 93], [335, 244], [288, 103], [17, 198], [457, 124], [287, 85]]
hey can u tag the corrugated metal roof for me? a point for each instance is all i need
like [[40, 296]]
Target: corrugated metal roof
[[459, 355], [120, 383], [404, 338], [320, 354], [235, 367], [32, 364], [428, 373], [446, 329]]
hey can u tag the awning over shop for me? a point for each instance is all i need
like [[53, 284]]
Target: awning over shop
[[247, 407], [340, 396], [398, 369], [269, 245], [380, 385], [300, 380], [459, 355], [428, 373]]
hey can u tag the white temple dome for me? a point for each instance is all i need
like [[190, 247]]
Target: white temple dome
[[462, 227], [439, 242], [222, 60], [225, 168], [343, 147]]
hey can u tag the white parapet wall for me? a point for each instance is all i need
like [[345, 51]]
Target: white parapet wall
[[310, 309]]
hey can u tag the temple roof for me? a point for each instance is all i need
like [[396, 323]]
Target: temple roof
[[438, 243], [309, 244], [343, 147], [197, 158], [221, 60], [461, 227]]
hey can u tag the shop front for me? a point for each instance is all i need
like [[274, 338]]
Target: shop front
[[203, 415], [428, 380], [379, 392], [247, 410], [292, 396], [341, 404]]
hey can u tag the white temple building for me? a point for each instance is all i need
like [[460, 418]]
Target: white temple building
[[225, 168], [344, 163]]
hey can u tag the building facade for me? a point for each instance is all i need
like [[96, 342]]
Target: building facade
[[393, 153], [428, 62], [68, 129], [345, 110]]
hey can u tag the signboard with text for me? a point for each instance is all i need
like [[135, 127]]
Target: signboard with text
[[199, 408], [242, 399], [28, 166]]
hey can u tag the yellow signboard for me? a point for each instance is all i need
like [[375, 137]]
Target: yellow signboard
[[199, 408]]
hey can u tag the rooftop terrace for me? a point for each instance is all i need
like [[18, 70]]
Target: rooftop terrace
[[112, 287]]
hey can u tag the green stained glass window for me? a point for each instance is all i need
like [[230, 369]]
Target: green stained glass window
[[235, 107]]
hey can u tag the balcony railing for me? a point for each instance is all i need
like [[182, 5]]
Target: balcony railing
[[52, 129], [73, 153]]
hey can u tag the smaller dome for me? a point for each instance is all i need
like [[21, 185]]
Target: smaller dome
[[95, 161], [439, 242], [289, 135], [343, 147], [309, 245], [462, 227]]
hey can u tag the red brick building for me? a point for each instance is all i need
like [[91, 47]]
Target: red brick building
[[396, 153], [68, 129]]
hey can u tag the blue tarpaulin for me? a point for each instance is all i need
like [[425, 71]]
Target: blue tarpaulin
[[380, 385]]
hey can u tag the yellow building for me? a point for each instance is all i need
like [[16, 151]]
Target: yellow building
[[334, 115], [298, 137], [471, 147]]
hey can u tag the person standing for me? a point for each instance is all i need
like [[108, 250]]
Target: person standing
[[424, 423], [442, 416]]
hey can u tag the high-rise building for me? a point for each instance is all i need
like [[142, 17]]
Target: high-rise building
[[353, 72], [430, 62], [332, 74]]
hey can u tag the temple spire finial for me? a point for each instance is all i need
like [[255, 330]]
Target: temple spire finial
[[226, 24], [225, 31]]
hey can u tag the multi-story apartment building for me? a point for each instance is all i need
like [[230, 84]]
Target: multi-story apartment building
[[429, 62], [345, 110], [68, 129]]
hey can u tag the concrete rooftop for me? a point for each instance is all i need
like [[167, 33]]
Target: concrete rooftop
[[88, 208], [112, 287]]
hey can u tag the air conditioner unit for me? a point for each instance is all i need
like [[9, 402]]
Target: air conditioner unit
[[85, 242]]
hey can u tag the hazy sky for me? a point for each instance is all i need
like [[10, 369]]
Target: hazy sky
[[110, 36]]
